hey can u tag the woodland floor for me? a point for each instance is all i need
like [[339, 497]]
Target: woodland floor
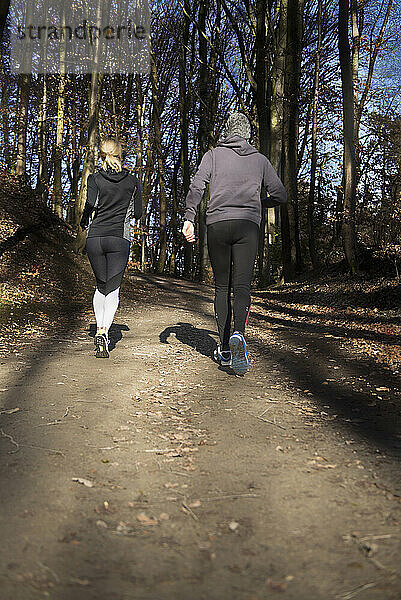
[[157, 475]]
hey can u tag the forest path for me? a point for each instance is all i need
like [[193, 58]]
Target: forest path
[[197, 484]]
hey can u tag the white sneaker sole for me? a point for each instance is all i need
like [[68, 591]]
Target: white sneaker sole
[[239, 355]]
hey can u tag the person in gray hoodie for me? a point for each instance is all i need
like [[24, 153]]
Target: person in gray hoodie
[[236, 173]]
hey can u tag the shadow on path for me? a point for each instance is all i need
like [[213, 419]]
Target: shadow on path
[[351, 406], [199, 339], [115, 333], [289, 319], [383, 297]]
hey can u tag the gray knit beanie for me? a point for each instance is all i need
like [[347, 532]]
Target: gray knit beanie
[[238, 124]]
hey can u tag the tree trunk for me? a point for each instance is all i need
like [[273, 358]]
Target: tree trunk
[[5, 117], [161, 263], [278, 71], [262, 109], [22, 124], [357, 17], [77, 143], [289, 212], [4, 7], [277, 113], [95, 87], [42, 179], [348, 228], [203, 135], [184, 126], [173, 224], [315, 106], [115, 95], [139, 162], [58, 150], [128, 101]]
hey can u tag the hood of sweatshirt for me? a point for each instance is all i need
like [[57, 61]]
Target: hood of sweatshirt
[[238, 144], [111, 175]]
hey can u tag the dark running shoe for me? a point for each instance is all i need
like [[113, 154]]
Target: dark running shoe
[[102, 346], [239, 355], [222, 356]]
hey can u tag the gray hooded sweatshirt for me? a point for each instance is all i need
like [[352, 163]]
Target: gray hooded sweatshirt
[[236, 173]]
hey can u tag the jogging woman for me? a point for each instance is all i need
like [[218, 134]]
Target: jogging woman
[[236, 172], [114, 196]]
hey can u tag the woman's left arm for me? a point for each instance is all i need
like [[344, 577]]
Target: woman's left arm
[[91, 196]]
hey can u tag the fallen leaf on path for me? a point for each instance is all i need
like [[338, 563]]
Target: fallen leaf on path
[[83, 481], [277, 586], [233, 525], [145, 520], [314, 463], [102, 524], [83, 582], [10, 411], [195, 503], [122, 529]]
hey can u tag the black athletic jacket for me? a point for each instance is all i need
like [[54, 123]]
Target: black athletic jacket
[[116, 199]]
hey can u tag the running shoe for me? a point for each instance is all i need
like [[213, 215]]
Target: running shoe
[[222, 356], [102, 346], [239, 355]]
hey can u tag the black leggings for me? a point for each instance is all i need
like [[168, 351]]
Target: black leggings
[[108, 257], [232, 248]]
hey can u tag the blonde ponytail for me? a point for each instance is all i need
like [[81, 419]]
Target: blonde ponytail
[[111, 154]]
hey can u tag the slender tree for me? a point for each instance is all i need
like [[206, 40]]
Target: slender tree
[[315, 106], [349, 171], [289, 212], [161, 263], [184, 105]]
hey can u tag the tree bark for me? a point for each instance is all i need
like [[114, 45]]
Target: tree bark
[[277, 113], [263, 112], [22, 123], [184, 125], [58, 150], [95, 88], [139, 163], [289, 212], [42, 179], [161, 262], [5, 117], [4, 8], [349, 170], [203, 135], [77, 143], [315, 106]]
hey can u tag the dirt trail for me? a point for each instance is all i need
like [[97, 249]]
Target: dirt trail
[[196, 483]]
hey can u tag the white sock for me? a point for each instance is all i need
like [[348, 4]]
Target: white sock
[[98, 307], [110, 307]]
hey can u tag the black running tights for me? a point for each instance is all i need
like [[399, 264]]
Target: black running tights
[[232, 248], [108, 257]]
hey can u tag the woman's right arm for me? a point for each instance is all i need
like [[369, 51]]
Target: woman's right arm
[[197, 187], [194, 196]]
